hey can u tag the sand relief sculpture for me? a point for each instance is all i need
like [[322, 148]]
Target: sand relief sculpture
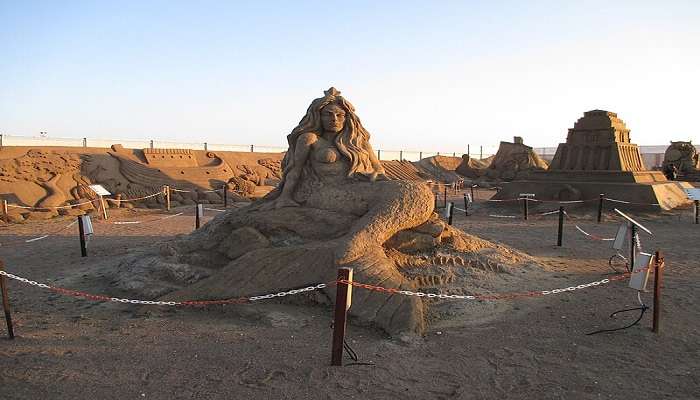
[[333, 207], [512, 161], [598, 157], [681, 159]]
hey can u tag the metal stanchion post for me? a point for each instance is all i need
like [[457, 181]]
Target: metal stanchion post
[[525, 208], [445, 203], [472, 190], [658, 280], [560, 234], [600, 206], [466, 206], [198, 211], [633, 245], [81, 232], [697, 211], [450, 211], [6, 303], [343, 300]]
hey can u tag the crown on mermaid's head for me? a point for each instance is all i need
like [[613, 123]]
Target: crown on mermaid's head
[[331, 92]]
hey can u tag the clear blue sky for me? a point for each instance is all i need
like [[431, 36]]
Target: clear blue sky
[[422, 75]]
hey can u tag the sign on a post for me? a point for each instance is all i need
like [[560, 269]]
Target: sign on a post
[[100, 190], [693, 194]]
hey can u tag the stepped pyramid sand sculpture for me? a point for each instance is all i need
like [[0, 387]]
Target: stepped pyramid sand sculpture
[[333, 208], [598, 157]]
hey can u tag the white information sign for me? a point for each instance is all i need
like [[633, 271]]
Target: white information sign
[[693, 194], [640, 272], [100, 190]]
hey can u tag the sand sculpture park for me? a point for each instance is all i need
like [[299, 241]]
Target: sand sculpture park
[[443, 269]]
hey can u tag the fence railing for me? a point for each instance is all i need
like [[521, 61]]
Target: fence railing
[[478, 151]]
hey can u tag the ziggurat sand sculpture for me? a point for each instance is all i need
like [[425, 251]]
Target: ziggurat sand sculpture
[[334, 207], [598, 157]]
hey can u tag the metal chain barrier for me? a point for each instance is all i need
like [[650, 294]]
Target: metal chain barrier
[[103, 298], [502, 296]]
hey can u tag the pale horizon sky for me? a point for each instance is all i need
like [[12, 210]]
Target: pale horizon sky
[[422, 75]]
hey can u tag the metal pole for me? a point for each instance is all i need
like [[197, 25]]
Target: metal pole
[[481, 152], [445, 187], [601, 199], [400, 155], [205, 146], [343, 300], [420, 155], [472, 190], [84, 142], [81, 232], [633, 245], [658, 280], [5, 215], [468, 153], [196, 216], [6, 303], [560, 234], [379, 154], [466, 205], [697, 211], [450, 212], [525, 208]]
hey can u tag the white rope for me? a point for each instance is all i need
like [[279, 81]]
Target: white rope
[[137, 198], [214, 209], [502, 216], [48, 208], [141, 222]]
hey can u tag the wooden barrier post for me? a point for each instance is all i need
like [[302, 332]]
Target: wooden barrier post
[[343, 300], [525, 208], [5, 215], [6, 303], [450, 211], [81, 232], [166, 191], [104, 207], [560, 234], [697, 211], [601, 199], [224, 189], [117, 200], [466, 206], [658, 280]]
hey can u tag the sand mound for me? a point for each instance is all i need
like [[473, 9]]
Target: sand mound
[[441, 168]]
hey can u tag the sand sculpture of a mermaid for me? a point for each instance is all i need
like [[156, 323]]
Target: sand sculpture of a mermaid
[[334, 207]]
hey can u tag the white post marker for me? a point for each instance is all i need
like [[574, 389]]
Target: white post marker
[[448, 209], [638, 279]]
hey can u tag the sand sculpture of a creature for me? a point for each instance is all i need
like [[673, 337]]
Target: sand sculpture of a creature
[[333, 208]]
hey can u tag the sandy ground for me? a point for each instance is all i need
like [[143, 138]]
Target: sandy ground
[[74, 349]]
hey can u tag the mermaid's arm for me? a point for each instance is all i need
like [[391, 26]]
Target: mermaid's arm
[[291, 179], [377, 167]]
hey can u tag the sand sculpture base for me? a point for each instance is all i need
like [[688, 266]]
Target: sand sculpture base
[[254, 250], [644, 187]]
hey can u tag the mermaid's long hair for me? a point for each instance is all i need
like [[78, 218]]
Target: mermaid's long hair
[[350, 141]]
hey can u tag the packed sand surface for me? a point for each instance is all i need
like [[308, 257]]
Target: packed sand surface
[[526, 348]]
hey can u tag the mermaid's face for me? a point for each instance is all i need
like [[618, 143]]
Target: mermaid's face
[[333, 118]]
